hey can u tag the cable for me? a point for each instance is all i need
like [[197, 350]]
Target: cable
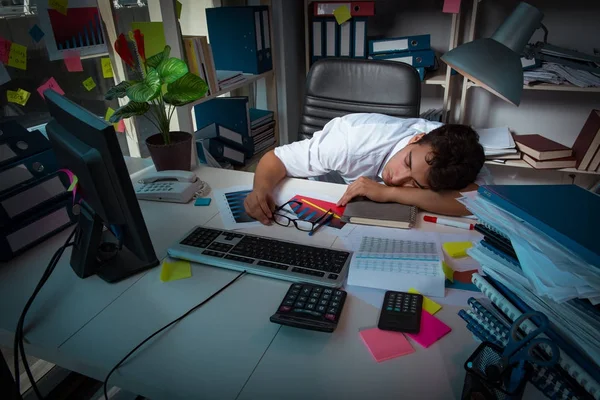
[[19, 346], [165, 327], [545, 33]]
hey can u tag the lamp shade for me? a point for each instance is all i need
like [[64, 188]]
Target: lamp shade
[[495, 63]]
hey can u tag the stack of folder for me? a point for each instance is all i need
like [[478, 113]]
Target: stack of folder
[[328, 38], [34, 200], [411, 50], [540, 252], [262, 127]]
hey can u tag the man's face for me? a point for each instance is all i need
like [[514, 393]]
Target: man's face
[[408, 167]]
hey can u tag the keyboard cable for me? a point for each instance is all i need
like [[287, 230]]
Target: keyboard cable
[[19, 346], [105, 385]]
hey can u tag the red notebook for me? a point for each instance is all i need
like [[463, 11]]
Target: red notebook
[[541, 148], [566, 162]]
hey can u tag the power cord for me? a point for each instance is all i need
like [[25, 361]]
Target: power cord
[[165, 327], [19, 346]]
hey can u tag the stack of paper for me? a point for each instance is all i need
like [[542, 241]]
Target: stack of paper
[[229, 78], [558, 74], [498, 143]]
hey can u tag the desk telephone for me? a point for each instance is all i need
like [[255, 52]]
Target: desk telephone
[[171, 186]]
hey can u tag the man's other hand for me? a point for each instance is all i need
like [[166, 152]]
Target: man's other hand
[[260, 205], [367, 188]]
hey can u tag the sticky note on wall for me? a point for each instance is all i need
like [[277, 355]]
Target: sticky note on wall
[[89, 84], [342, 14], [154, 36], [19, 97], [17, 57], [428, 305], [4, 50], [59, 5], [72, 60], [457, 249], [451, 6], [50, 84], [107, 71]]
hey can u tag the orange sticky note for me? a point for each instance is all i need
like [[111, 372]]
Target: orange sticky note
[[385, 345], [72, 61], [50, 84]]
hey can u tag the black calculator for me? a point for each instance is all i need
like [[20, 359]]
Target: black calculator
[[309, 306], [401, 312]]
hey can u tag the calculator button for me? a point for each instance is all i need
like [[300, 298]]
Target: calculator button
[[321, 309], [397, 309], [338, 292], [312, 300], [299, 304], [310, 306], [306, 291], [295, 291], [297, 286], [334, 304], [302, 298], [325, 296], [317, 290], [336, 298], [332, 310], [291, 297], [327, 291], [288, 303], [315, 294], [323, 302], [285, 308], [389, 309], [330, 317]]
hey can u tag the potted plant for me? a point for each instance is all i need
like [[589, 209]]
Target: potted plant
[[164, 83]]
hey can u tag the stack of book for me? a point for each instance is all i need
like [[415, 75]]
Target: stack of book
[[586, 148], [540, 253], [200, 61], [411, 50], [498, 144], [227, 79], [543, 153], [262, 131]]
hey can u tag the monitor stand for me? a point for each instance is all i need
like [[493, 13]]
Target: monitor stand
[[96, 251]]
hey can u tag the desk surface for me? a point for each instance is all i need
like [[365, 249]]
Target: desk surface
[[228, 348]]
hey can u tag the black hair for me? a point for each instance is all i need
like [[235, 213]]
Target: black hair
[[456, 157]]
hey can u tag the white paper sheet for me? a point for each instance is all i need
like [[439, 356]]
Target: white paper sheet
[[231, 208]]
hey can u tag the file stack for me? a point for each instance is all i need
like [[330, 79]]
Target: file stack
[[540, 252], [498, 144], [34, 198], [262, 127], [339, 29], [411, 50]]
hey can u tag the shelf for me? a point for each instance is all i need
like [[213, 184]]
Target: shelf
[[523, 164], [251, 163], [436, 78], [249, 79], [553, 88]]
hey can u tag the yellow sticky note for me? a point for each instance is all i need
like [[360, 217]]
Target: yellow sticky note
[[59, 5], [457, 249], [107, 71], [174, 270], [109, 113], [342, 14], [449, 272], [154, 36], [89, 84], [19, 97], [17, 57], [428, 305], [178, 7]]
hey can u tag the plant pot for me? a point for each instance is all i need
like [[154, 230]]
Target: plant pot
[[176, 155]]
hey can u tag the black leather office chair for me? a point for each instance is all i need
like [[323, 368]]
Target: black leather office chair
[[340, 86]]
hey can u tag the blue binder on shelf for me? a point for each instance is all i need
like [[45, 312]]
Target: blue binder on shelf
[[16, 143], [359, 37], [228, 137], [423, 58], [223, 152], [229, 112], [240, 38], [24, 200], [398, 44], [316, 41], [421, 71], [345, 39], [26, 170]]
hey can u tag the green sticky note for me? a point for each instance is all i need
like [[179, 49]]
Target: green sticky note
[[342, 14], [449, 272], [178, 7], [457, 249], [89, 84], [154, 36], [173, 270], [428, 305]]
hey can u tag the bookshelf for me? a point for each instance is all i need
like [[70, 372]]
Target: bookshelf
[[250, 79], [523, 164]]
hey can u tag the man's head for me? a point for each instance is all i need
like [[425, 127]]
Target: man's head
[[447, 158]]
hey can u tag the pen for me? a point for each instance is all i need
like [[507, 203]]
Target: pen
[[326, 220], [448, 222]]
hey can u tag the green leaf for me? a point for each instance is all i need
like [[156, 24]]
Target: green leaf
[[184, 90], [147, 89], [129, 110], [118, 91], [172, 69], [156, 59]]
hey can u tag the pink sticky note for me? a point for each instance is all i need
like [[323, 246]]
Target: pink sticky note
[[385, 345], [73, 61], [50, 84], [4, 50], [120, 126], [432, 330], [451, 6]]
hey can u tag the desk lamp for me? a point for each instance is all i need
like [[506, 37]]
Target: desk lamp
[[495, 63]]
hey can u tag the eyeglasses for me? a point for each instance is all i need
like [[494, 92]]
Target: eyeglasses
[[300, 224]]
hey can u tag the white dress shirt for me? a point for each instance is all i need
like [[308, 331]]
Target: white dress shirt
[[354, 145]]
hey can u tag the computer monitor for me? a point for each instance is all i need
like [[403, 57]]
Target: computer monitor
[[111, 239]]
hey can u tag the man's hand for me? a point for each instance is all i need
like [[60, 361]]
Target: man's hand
[[260, 205], [367, 188]]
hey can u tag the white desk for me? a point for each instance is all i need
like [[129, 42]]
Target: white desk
[[228, 348]]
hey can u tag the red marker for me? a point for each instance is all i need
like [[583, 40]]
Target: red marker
[[448, 222]]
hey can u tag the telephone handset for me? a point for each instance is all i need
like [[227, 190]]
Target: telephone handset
[[171, 186]]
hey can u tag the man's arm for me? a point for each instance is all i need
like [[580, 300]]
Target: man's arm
[[270, 171]]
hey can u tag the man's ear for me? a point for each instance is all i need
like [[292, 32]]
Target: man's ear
[[416, 138]]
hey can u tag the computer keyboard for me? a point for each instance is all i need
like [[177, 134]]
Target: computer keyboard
[[263, 256]]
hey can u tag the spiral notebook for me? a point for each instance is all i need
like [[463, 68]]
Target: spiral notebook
[[565, 361], [392, 215]]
